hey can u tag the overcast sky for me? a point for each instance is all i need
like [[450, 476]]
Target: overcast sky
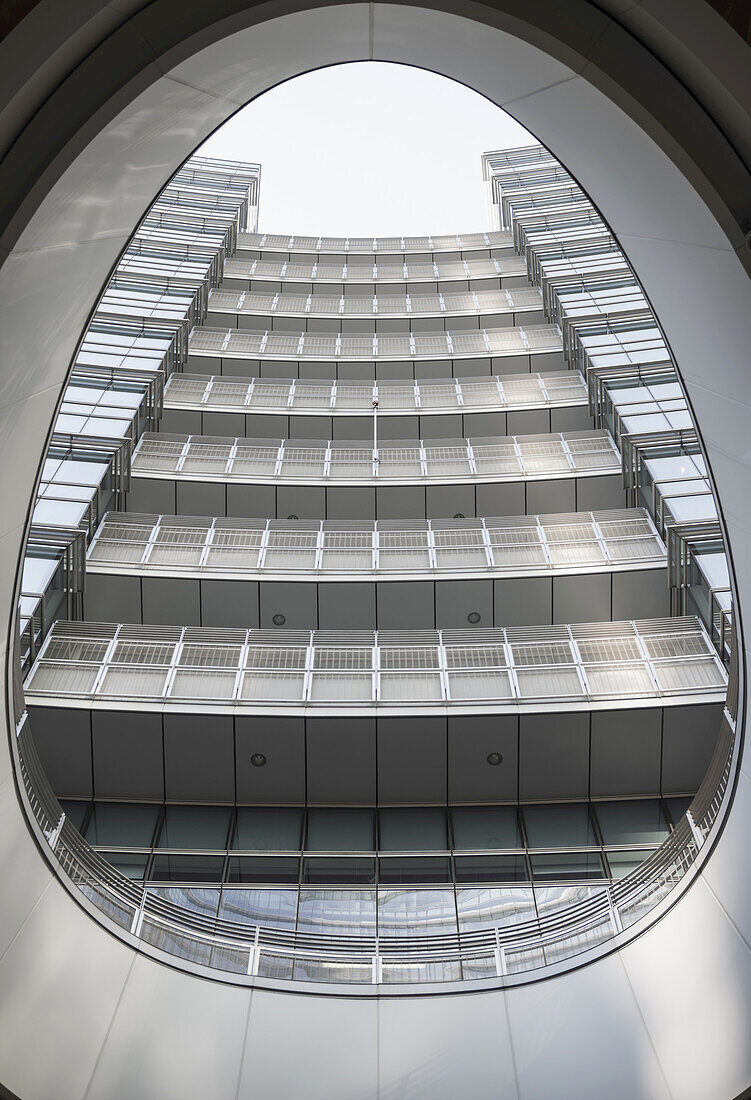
[[369, 148]]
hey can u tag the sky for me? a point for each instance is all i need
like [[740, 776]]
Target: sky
[[369, 149]]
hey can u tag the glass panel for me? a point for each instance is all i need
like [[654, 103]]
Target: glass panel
[[416, 912], [274, 908], [333, 870], [130, 864], [491, 869], [283, 869], [197, 900], [677, 807], [337, 912], [74, 811], [266, 829], [485, 827], [195, 827], [187, 868], [622, 863], [557, 866], [340, 830], [122, 824], [638, 821], [406, 869], [413, 830], [486, 907], [559, 825]]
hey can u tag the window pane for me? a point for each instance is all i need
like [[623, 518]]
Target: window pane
[[415, 869], [263, 869], [485, 827], [559, 825], [677, 807], [333, 870], [640, 821], [486, 907], [124, 824], [274, 908], [130, 864], [337, 912], [416, 912], [187, 868], [413, 830], [552, 898], [345, 830], [491, 869], [74, 811], [198, 900], [622, 863], [267, 829], [557, 866], [195, 827]]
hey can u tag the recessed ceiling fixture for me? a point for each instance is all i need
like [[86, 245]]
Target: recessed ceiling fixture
[[474, 617], [258, 760], [495, 758], [459, 515], [279, 620], [293, 516]]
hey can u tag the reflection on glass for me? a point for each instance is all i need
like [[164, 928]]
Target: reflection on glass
[[274, 908], [195, 827], [554, 897], [414, 869], [556, 866], [130, 864], [196, 868], [416, 912], [331, 869], [271, 869], [491, 869], [623, 863], [198, 900], [486, 907], [337, 912]]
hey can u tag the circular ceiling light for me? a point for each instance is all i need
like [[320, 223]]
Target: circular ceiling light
[[494, 759], [258, 760], [474, 617], [279, 620]]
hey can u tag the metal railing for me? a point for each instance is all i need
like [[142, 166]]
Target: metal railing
[[251, 951]]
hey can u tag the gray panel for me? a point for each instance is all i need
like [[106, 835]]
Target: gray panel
[[352, 427], [581, 599], [341, 760], [112, 598], [310, 427], [556, 495], [398, 372], [399, 427], [202, 364], [63, 741], [171, 601], [573, 419], [229, 603], [350, 606], [455, 600], [510, 364], [600, 491], [152, 494], [444, 426], [222, 423], [181, 421], [400, 501], [484, 423], [303, 501], [405, 605], [201, 498], [547, 360], [350, 502], [523, 601], [553, 756], [412, 759], [251, 501], [626, 752], [501, 499], [128, 754], [472, 368], [292, 599], [446, 501], [199, 757], [433, 369], [356, 372], [282, 742], [640, 594], [528, 421], [470, 739], [265, 426], [689, 735]]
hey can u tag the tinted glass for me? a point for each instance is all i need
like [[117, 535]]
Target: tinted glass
[[640, 821], [128, 864], [413, 829], [416, 912], [275, 908], [622, 863], [491, 869], [337, 912], [75, 812], [187, 868], [414, 869], [333, 870], [283, 869], [559, 825], [345, 830], [485, 827], [195, 827], [558, 866], [195, 898], [268, 829], [486, 907], [124, 824], [677, 807]]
